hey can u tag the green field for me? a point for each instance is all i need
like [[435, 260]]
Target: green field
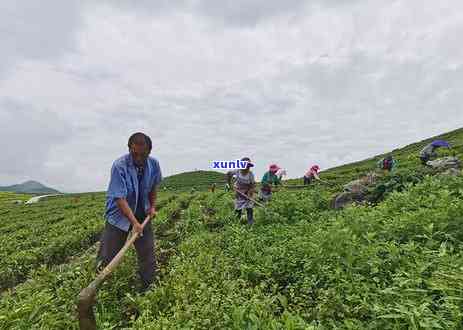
[[199, 180], [394, 264]]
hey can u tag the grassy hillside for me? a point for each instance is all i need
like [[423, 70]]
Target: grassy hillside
[[395, 265], [407, 158], [200, 180]]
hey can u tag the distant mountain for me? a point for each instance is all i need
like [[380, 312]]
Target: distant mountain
[[30, 187]]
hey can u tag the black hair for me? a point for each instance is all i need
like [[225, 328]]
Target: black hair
[[138, 135]]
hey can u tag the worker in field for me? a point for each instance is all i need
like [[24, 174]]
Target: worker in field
[[312, 174], [429, 151], [131, 197], [269, 179], [387, 164], [213, 187], [244, 187]]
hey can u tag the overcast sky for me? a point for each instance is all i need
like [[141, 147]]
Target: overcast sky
[[292, 82]]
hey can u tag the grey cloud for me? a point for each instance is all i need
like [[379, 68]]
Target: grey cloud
[[238, 13], [30, 136], [245, 12], [37, 29], [289, 93], [149, 7]]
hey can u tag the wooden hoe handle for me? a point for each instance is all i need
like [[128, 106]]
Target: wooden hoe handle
[[249, 198], [86, 298]]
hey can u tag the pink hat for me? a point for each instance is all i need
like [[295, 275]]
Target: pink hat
[[315, 168], [274, 168]]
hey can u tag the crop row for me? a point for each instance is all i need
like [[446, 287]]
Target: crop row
[[395, 266], [47, 299], [49, 237]]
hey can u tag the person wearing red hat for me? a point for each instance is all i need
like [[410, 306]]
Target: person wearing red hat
[[245, 184], [270, 178], [311, 174]]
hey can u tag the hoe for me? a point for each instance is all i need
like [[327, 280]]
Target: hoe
[[86, 298], [266, 210]]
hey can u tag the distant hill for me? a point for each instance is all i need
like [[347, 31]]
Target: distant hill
[[198, 179], [30, 187]]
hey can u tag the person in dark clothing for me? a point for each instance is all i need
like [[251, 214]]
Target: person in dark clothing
[[311, 174], [429, 152]]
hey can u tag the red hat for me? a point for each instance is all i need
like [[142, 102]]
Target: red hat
[[274, 168], [315, 167]]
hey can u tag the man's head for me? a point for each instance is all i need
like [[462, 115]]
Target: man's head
[[140, 146]]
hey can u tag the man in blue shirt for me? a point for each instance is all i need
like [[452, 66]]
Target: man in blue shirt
[[131, 197]]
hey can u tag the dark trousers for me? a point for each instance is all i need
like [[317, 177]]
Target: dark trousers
[[249, 213], [307, 180], [113, 239]]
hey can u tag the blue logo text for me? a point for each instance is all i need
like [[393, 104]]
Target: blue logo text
[[228, 165]]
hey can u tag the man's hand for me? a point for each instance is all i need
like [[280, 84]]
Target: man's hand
[[137, 228], [125, 209], [152, 212]]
